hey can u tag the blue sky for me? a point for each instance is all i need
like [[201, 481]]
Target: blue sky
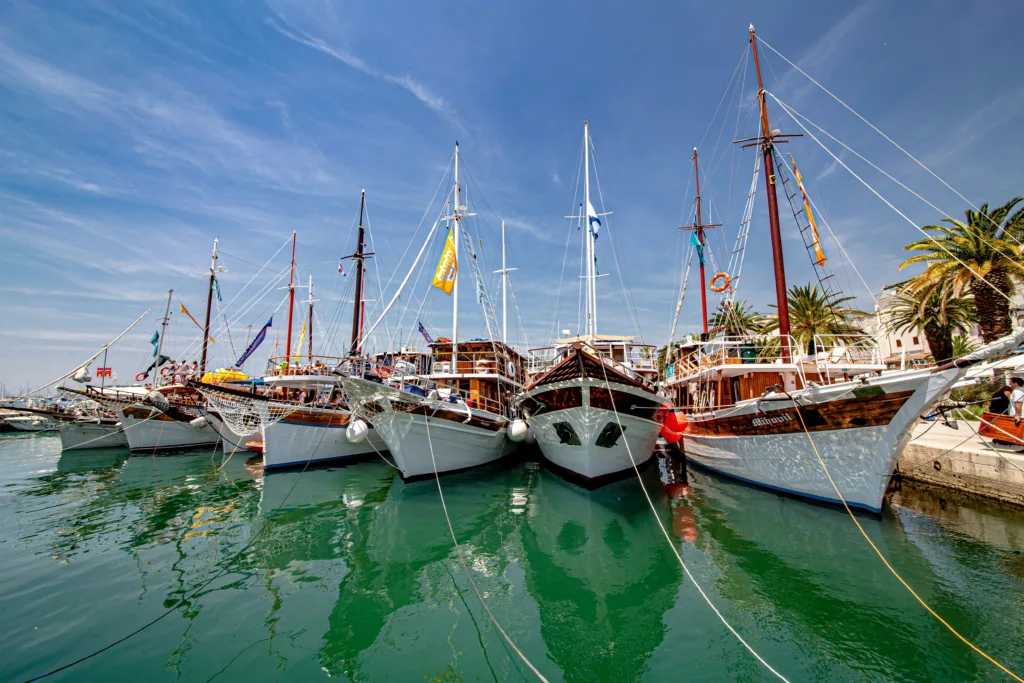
[[133, 133]]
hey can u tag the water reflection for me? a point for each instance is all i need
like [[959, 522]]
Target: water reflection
[[601, 573]]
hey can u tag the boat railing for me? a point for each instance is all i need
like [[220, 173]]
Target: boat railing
[[759, 349], [633, 360], [482, 362], [841, 353], [292, 366]]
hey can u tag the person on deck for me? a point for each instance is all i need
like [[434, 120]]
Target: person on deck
[[1000, 401], [1017, 399]]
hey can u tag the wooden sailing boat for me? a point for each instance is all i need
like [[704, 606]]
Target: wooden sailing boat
[[455, 415], [299, 416], [751, 402], [591, 401]]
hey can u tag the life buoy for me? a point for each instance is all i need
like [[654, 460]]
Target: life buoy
[[165, 370], [724, 286], [141, 377]]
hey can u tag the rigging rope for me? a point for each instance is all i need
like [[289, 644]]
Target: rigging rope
[[882, 557], [672, 545], [462, 560]]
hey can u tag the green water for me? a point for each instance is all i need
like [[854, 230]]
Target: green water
[[355, 576]]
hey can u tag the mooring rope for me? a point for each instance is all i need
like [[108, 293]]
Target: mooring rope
[[196, 592], [671, 545], [885, 561], [462, 560]]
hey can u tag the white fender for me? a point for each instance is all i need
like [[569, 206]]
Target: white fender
[[531, 437], [199, 422], [357, 431], [517, 430]]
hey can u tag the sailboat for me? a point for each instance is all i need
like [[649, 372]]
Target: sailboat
[[300, 416], [761, 409], [591, 401], [455, 415]]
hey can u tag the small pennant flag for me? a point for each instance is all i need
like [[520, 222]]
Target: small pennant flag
[[254, 344], [592, 220], [155, 341], [185, 311], [341, 268], [695, 243], [426, 336], [819, 255], [216, 290]]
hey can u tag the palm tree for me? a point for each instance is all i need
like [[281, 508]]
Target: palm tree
[[812, 312], [935, 313], [980, 257], [736, 319], [962, 345]]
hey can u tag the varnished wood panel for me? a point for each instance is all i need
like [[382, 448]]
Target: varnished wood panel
[[870, 411]]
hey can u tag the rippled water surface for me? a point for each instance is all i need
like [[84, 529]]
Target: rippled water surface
[[354, 575]]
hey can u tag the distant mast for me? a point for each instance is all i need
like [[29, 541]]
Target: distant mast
[[505, 270], [291, 305], [357, 304], [699, 227], [309, 327], [768, 147], [160, 341], [209, 305]]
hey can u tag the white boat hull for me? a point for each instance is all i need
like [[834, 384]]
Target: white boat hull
[[159, 434], [588, 459], [86, 435], [860, 460], [451, 446], [229, 441], [32, 423], [293, 444]]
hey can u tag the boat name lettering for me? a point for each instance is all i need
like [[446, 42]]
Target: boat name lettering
[[775, 419]]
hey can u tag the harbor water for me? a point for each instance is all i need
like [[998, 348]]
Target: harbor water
[[353, 575]]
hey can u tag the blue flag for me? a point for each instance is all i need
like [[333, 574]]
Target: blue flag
[[695, 243], [155, 340], [593, 222], [254, 344], [426, 336], [216, 290]]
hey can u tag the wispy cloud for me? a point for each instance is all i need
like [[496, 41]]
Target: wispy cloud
[[421, 92]]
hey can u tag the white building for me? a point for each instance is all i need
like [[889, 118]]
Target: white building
[[910, 346]]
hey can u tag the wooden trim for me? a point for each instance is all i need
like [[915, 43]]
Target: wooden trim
[[851, 413]]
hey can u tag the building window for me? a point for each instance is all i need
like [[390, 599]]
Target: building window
[[915, 341], [899, 343]]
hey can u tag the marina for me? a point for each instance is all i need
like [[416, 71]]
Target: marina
[[527, 425]]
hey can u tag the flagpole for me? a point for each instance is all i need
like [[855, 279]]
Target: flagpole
[[160, 341], [209, 305], [103, 378], [455, 287]]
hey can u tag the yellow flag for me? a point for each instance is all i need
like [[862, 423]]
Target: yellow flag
[[185, 311], [818, 253], [447, 267], [302, 338]]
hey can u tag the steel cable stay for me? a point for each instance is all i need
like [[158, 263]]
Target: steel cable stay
[[879, 131], [553, 313], [882, 557], [793, 112], [886, 201]]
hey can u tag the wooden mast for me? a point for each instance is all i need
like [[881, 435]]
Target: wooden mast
[[699, 227], [309, 329], [291, 306], [209, 305], [768, 148], [357, 304]]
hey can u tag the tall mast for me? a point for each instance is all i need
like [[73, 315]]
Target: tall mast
[[768, 148], [309, 328], [291, 306], [357, 305], [591, 317], [700, 240], [160, 341], [505, 270], [209, 305], [455, 289]]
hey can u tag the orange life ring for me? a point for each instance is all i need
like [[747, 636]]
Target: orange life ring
[[165, 370], [722, 288], [141, 377]]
